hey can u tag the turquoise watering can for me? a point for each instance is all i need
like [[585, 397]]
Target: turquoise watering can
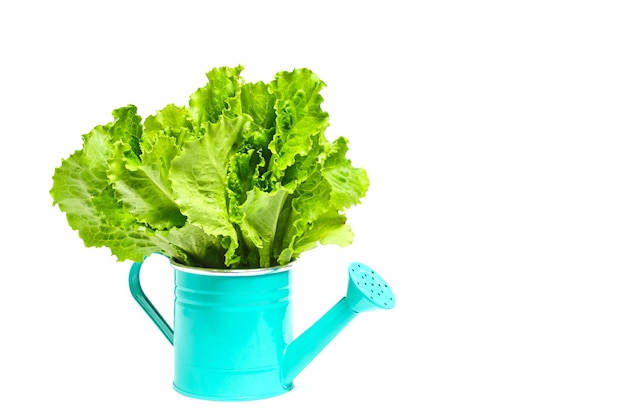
[[232, 333]]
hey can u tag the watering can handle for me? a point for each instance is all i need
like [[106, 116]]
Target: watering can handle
[[146, 305]]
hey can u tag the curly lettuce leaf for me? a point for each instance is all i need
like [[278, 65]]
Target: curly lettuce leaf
[[140, 178], [82, 190], [299, 118], [261, 216], [199, 176], [348, 184], [208, 103]]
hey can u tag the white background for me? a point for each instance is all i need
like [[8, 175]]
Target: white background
[[493, 134]]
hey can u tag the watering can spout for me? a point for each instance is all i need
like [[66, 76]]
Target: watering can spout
[[366, 291]]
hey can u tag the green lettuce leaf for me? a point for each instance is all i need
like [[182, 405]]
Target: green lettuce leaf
[[82, 190], [140, 178], [199, 176]]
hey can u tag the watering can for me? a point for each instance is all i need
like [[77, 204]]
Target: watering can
[[232, 333]]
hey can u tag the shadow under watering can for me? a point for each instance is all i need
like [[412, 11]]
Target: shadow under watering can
[[233, 337]]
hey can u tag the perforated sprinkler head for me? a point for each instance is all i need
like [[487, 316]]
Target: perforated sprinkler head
[[367, 290]]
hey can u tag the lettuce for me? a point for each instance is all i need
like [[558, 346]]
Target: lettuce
[[242, 177]]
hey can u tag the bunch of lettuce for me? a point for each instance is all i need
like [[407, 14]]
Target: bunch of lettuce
[[243, 177]]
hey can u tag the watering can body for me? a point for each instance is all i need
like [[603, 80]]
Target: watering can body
[[232, 336]]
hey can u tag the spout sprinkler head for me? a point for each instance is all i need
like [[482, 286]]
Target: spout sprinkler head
[[367, 290]]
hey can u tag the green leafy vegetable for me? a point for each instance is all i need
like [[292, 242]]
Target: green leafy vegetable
[[243, 177]]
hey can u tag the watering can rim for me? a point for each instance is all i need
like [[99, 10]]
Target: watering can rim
[[229, 272]]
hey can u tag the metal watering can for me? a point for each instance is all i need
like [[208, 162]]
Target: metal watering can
[[232, 332]]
